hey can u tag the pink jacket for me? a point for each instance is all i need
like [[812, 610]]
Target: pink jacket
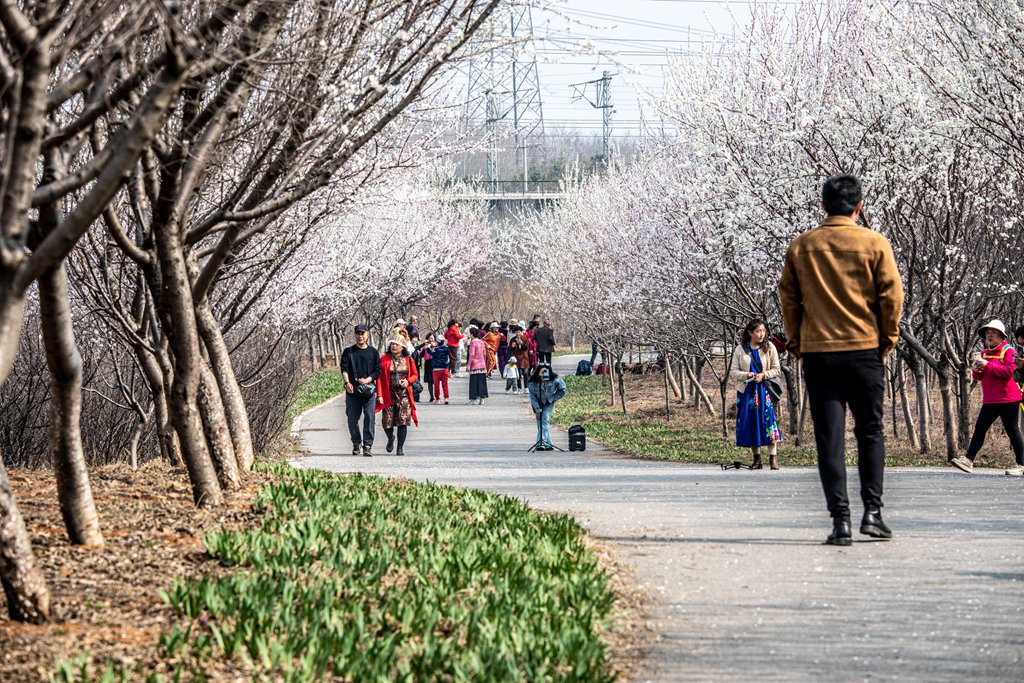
[[477, 359], [997, 385]]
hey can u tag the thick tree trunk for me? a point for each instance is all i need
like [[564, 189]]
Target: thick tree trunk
[[179, 324], [230, 391], [948, 417], [65, 437], [963, 405], [670, 378], [218, 436], [28, 598], [684, 386]]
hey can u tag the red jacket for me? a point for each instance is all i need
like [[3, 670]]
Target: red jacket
[[452, 336], [384, 384], [997, 385]]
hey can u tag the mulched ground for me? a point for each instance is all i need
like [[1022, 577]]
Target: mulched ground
[[106, 600]]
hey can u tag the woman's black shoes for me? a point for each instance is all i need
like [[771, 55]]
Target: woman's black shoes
[[757, 464], [871, 524], [841, 534], [391, 444]]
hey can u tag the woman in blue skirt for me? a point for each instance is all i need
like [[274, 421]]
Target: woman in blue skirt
[[753, 363]]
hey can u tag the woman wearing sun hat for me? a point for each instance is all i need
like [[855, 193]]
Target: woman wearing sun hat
[[1000, 396], [395, 401]]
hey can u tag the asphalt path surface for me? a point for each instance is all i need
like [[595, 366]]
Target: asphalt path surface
[[741, 587]]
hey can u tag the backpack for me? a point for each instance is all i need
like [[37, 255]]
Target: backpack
[[583, 368]]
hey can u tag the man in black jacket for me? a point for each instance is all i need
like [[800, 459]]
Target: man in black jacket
[[360, 367], [545, 338]]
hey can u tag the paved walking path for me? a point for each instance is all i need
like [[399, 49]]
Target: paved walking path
[[742, 588]]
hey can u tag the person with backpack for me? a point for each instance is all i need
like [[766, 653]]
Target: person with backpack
[[441, 365], [1000, 394], [544, 336], [545, 389]]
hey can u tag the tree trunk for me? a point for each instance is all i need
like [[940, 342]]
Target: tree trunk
[[698, 383], [908, 419], [684, 387], [964, 405], [699, 395], [802, 424], [231, 394], [612, 372], [170, 449], [65, 434], [668, 399], [622, 388], [179, 324], [28, 598], [312, 352], [670, 378], [921, 389], [948, 418], [790, 370], [215, 426]]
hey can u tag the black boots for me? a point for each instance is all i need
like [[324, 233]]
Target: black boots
[[391, 440], [871, 524], [757, 464], [841, 534]]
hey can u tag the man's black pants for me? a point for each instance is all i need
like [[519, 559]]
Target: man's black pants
[[836, 380], [356, 406], [543, 357]]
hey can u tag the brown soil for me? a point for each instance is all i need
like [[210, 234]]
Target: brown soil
[[105, 600], [645, 400]]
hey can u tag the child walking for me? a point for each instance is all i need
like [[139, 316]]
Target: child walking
[[511, 375], [1000, 395]]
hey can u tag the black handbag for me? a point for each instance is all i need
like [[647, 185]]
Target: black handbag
[[417, 387], [364, 390], [774, 390]]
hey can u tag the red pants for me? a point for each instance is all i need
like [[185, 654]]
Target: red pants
[[440, 381]]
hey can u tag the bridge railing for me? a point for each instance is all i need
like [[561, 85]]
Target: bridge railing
[[513, 187]]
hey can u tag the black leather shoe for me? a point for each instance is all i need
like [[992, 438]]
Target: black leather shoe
[[357, 448], [391, 444], [367, 451], [401, 451], [871, 524], [841, 534]]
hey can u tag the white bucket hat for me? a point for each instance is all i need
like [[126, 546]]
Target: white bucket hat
[[994, 324], [395, 340]]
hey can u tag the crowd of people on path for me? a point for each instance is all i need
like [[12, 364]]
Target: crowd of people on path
[[519, 352]]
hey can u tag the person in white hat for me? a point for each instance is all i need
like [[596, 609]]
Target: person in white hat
[[1000, 397]]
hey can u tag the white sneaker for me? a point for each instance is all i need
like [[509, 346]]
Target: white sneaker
[[1015, 471], [962, 463]]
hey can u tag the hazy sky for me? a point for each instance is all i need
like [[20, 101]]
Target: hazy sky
[[630, 34]]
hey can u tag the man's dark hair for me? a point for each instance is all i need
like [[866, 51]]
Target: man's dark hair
[[840, 194], [1019, 332]]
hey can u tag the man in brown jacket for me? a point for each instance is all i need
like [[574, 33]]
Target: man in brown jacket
[[841, 300]]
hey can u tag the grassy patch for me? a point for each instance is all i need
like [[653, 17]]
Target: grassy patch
[[687, 437], [318, 388], [369, 579]]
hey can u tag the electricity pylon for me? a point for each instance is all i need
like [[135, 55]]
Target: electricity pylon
[[503, 98], [602, 100]]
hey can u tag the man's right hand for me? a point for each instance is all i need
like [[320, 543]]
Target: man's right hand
[[349, 388]]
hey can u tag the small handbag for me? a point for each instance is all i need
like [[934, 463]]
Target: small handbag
[[774, 390], [364, 390], [417, 387]]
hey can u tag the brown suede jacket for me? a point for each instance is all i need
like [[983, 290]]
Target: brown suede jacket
[[840, 290]]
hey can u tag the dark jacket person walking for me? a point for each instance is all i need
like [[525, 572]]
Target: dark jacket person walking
[[841, 300], [360, 368]]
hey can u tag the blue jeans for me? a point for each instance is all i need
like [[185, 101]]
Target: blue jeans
[[356, 407], [544, 425]]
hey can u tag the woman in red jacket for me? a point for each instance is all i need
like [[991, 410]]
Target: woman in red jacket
[[394, 393], [452, 338]]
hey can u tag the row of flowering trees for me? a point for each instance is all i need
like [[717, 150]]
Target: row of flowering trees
[[923, 100], [171, 173]]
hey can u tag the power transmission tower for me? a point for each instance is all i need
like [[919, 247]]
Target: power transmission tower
[[503, 98], [602, 100]]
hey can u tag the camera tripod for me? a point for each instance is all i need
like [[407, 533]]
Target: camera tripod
[[537, 445]]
